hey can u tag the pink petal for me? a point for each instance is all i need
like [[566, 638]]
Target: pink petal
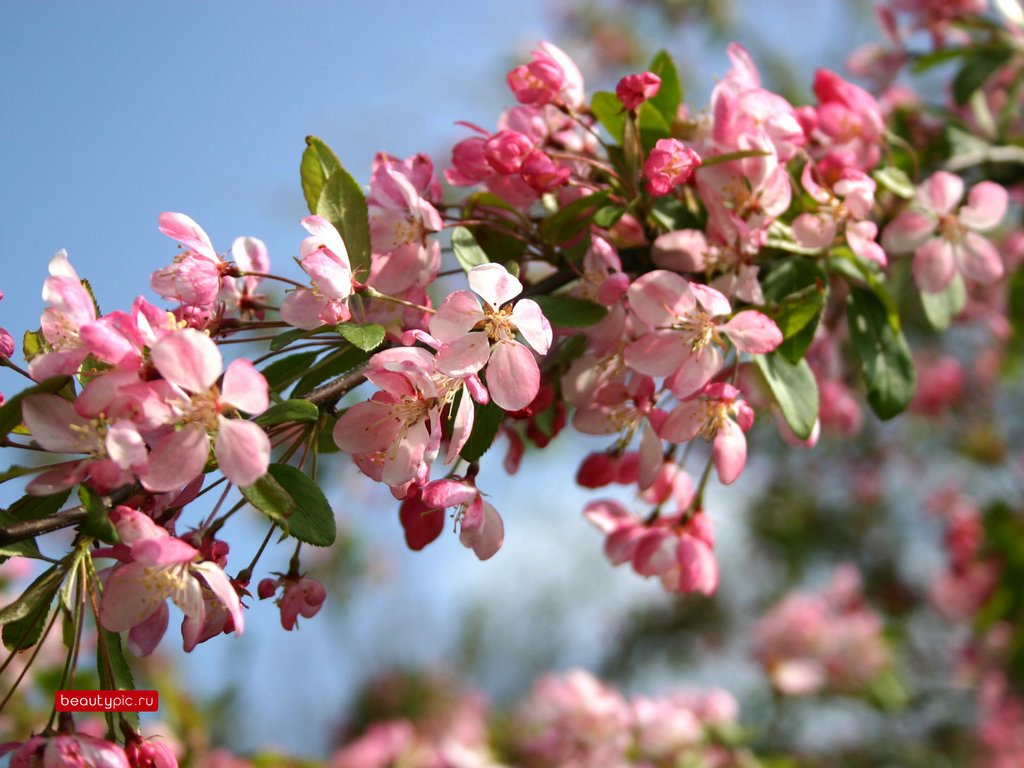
[[456, 316], [58, 477], [486, 540], [56, 426], [367, 427], [220, 585], [684, 250], [245, 388], [698, 568], [144, 637], [325, 232], [620, 546], [659, 297], [177, 459], [494, 284], [729, 452], [449, 493], [183, 229], [753, 332], [658, 353], [860, 235], [940, 192], [684, 422], [464, 355], [189, 359], [331, 277], [695, 372], [302, 309], [655, 552], [908, 231], [978, 259], [607, 515], [530, 321], [650, 455], [406, 455], [934, 265], [814, 231], [986, 206], [128, 598], [513, 377], [250, 254], [462, 427], [242, 450], [711, 299], [125, 446]]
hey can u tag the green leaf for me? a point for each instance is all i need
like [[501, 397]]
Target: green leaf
[[343, 204], [33, 344], [336, 363], [1015, 303], [670, 94], [37, 596], [924, 62], [572, 219], [118, 676], [486, 421], [728, 157], [940, 308], [10, 412], [976, 71], [24, 548], [288, 410], [97, 517], [610, 113], [37, 507], [608, 216], [318, 163], [896, 181], [365, 336], [286, 369], [468, 252], [267, 495], [886, 362], [795, 390], [313, 519], [652, 125], [569, 312], [795, 295]]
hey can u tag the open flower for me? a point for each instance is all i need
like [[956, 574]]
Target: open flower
[[476, 334], [156, 566], [480, 526], [945, 240], [191, 361]]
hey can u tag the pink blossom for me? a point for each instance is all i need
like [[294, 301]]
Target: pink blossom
[[149, 753], [634, 90], [945, 241], [551, 77], [156, 566], [69, 307], [720, 416], [66, 750], [480, 526], [194, 276], [542, 173], [324, 258], [302, 596], [685, 342], [240, 295], [513, 377], [668, 165], [191, 361], [848, 204], [848, 125]]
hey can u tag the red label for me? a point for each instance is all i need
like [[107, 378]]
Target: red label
[[106, 701]]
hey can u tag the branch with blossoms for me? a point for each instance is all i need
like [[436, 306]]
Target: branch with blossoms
[[663, 277]]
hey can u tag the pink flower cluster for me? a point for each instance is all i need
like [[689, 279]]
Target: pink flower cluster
[[816, 641]]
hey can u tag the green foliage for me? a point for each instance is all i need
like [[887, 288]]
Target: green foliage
[[610, 113], [940, 308], [97, 517], [468, 252], [795, 293], [670, 95], [886, 363], [795, 390], [318, 163], [343, 204], [24, 619], [10, 412], [312, 520], [486, 421], [289, 410], [569, 312], [364, 336]]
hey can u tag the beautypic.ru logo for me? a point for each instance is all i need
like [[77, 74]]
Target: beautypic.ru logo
[[106, 701]]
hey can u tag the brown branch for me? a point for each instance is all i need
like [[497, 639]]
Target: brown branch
[[27, 529]]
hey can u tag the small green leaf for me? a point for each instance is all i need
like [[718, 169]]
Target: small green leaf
[[16, 471], [610, 113], [10, 412], [312, 521], [608, 216], [652, 125], [282, 340], [670, 94], [795, 295], [318, 163], [33, 344], [468, 252], [36, 596], [569, 312], [286, 369], [37, 507], [486, 421], [336, 363], [572, 219], [896, 181], [23, 548], [267, 495], [343, 204], [118, 676], [97, 517], [886, 362], [365, 336], [728, 157], [940, 308], [795, 390], [288, 411], [976, 71]]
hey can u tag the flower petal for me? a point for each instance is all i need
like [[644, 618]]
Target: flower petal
[[513, 377], [189, 359], [940, 192], [494, 284], [753, 332], [978, 259], [464, 355], [177, 459], [934, 265], [530, 321], [184, 229], [245, 388], [242, 450], [986, 206]]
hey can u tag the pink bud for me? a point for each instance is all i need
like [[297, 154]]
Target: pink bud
[[634, 90], [266, 588]]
